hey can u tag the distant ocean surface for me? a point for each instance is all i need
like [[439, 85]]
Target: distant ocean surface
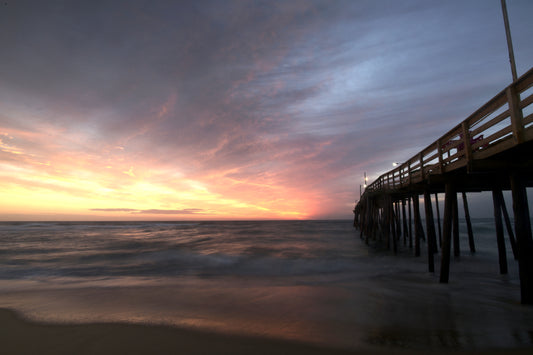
[[311, 281]]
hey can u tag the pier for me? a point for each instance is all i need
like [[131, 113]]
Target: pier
[[491, 150]]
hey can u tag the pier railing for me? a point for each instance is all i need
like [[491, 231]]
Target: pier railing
[[495, 127]]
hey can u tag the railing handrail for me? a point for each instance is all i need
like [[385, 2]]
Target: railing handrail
[[468, 146]]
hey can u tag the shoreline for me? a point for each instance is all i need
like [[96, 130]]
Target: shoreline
[[20, 336]]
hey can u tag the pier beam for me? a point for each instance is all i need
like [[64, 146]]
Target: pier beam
[[523, 237]]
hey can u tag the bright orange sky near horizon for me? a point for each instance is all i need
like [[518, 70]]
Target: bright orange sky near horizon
[[90, 184], [233, 110]]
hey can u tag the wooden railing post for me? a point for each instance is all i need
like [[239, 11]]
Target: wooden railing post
[[467, 146], [409, 171], [517, 123], [439, 150], [422, 174]]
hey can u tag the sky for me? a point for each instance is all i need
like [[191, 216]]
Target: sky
[[184, 110]]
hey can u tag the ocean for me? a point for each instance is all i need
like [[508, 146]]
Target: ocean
[[307, 281]]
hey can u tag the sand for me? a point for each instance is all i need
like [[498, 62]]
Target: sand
[[18, 336]]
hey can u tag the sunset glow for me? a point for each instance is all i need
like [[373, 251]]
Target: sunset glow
[[119, 187]]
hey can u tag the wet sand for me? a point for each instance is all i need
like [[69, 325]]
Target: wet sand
[[19, 336]]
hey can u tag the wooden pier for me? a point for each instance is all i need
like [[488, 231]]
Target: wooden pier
[[491, 150]]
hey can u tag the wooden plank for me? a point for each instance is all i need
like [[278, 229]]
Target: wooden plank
[[456, 165], [503, 145], [526, 102], [492, 105], [528, 119], [439, 149], [493, 122], [525, 81], [467, 148], [493, 138], [516, 114]]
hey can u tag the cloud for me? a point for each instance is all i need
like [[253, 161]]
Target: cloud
[[113, 210], [273, 104], [186, 211]]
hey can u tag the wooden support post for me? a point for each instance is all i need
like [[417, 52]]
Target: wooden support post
[[517, 120], [438, 219], [398, 219], [377, 222], [430, 227], [393, 226], [468, 225], [362, 217], [502, 257], [410, 224], [447, 233], [456, 244], [366, 208], [467, 146], [405, 230], [386, 221], [421, 228], [416, 211], [523, 237], [508, 225]]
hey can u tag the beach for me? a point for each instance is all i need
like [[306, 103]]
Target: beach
[[241, 287], [22, 337]]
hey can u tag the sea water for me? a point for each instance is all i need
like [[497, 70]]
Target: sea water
[[310, 281]]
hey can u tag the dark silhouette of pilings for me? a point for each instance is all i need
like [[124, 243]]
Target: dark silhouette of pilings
[[523, 237]]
